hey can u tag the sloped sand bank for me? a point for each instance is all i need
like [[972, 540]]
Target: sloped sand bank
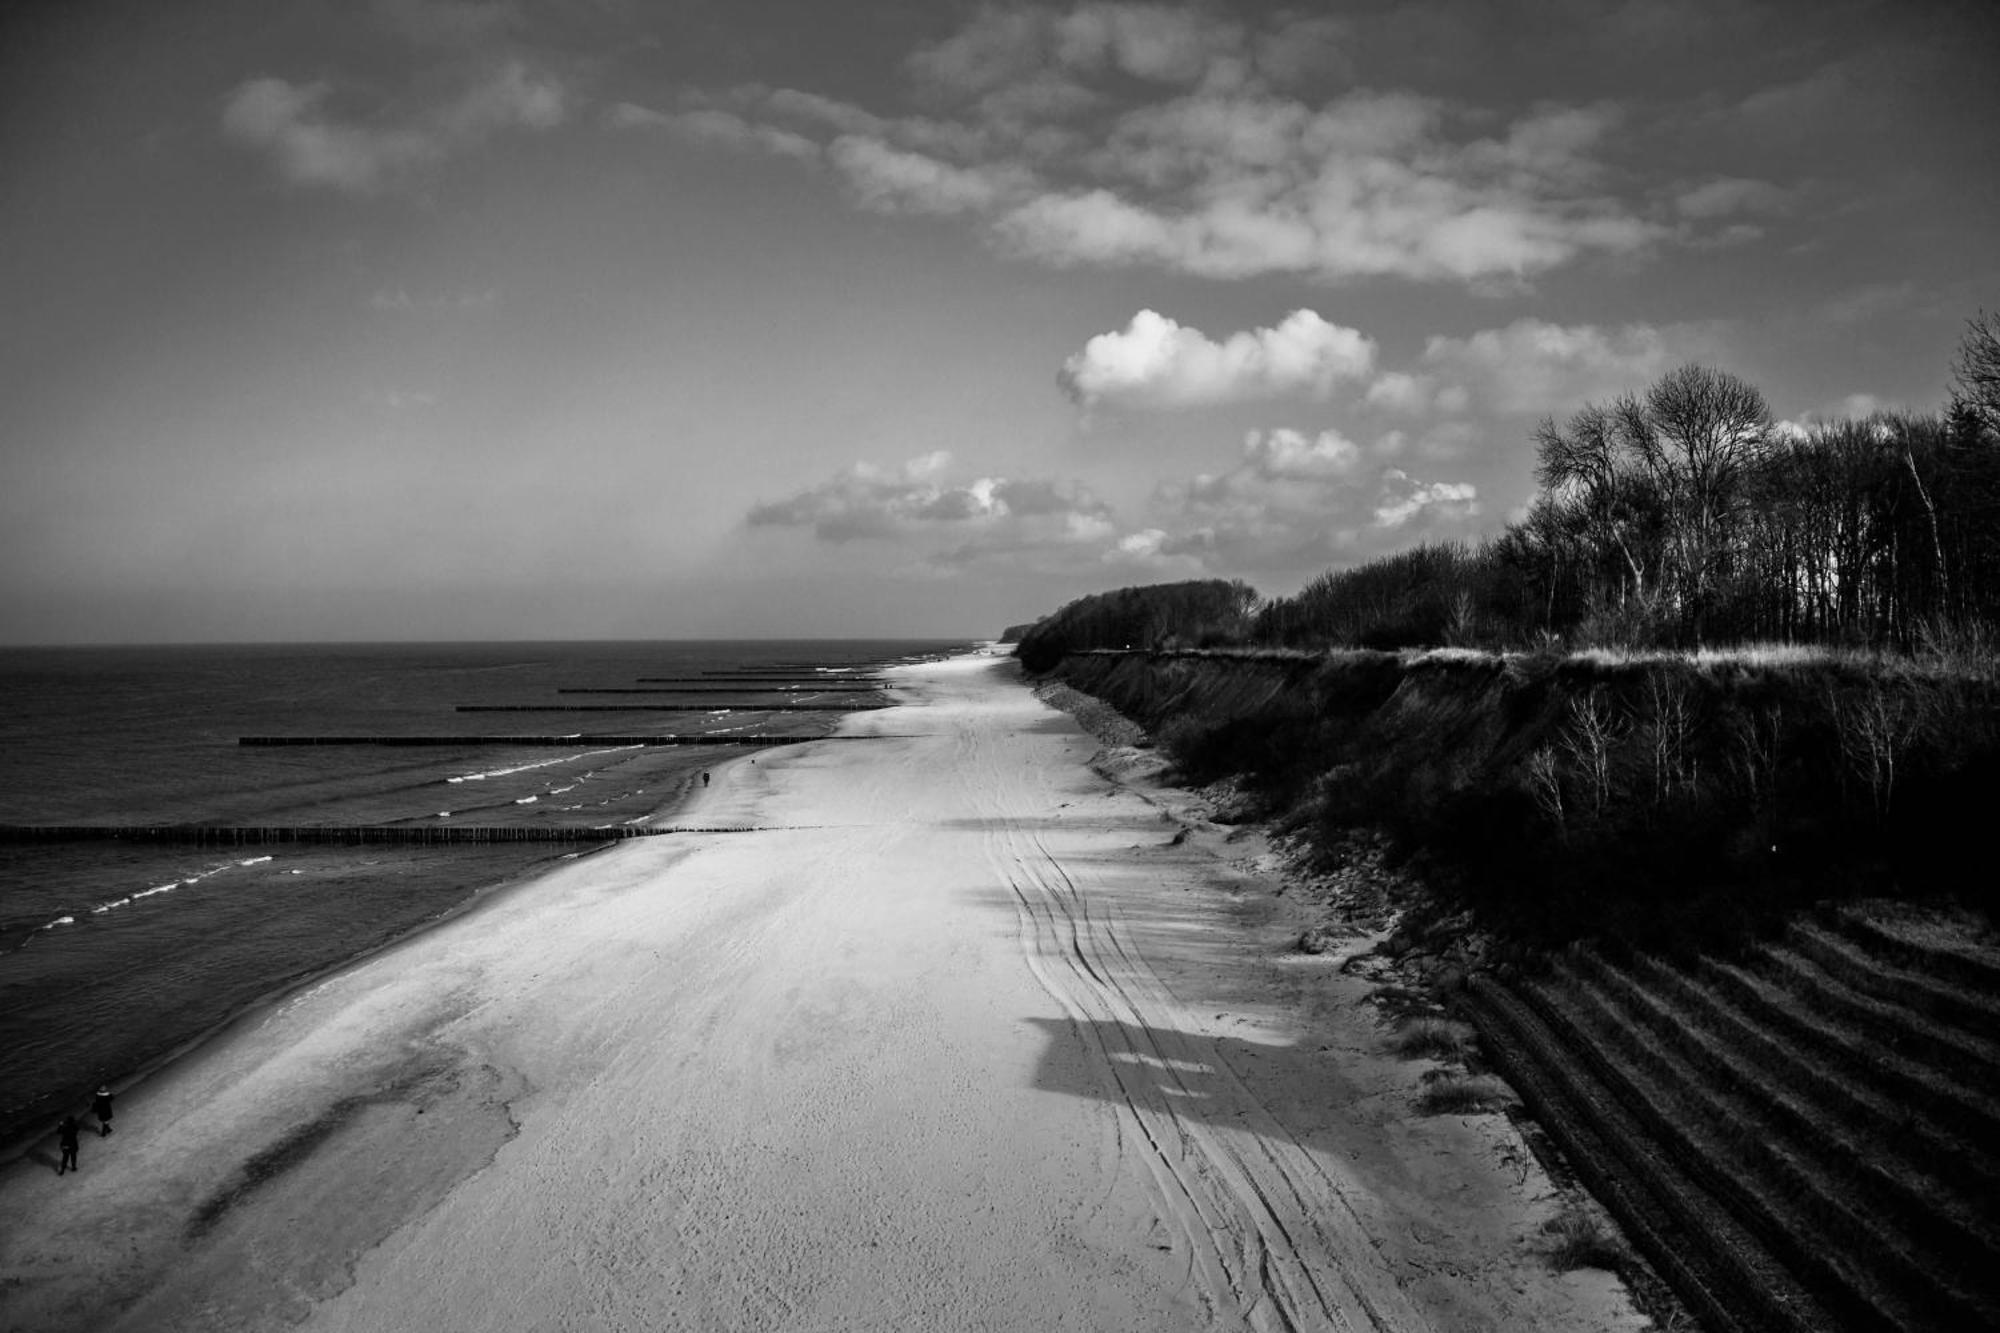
[[962, 1037]]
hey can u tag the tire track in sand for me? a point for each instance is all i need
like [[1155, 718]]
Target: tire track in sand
[[1270, 1229]]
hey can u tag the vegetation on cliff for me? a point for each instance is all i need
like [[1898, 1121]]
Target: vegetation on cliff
[[1565, 757], [1622, 833], [1679, 517], [1659, 798]]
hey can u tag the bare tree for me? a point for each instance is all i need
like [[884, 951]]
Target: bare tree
[[1591, 739], [1588, 465], [1657, 483], [1975, 373], [1706, 427]]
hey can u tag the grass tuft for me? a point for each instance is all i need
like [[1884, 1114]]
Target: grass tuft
[[1431, 1038], [1577, 1238], [1447, 1093], [1772, 655]]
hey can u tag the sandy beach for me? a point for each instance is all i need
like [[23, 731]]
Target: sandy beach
[[958, 1034]]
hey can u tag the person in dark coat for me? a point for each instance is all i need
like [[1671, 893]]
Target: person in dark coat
[[66, 1134], [100, 1106]]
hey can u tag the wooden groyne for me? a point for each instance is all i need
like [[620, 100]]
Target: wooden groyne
[[693, 685], [655, 689], [768, 682], [345, 835], [669, 708], [752, 677], [545, 740]]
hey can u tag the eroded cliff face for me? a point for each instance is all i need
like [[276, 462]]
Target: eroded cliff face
[[1675, 810], [1571, 795]]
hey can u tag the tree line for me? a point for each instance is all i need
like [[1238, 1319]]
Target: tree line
[[1677, 517]]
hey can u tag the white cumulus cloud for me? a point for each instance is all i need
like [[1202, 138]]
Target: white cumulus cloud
[[1404, 499], [1156, 362]]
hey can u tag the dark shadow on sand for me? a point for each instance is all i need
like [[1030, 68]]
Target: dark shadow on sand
[[1183, 1075]]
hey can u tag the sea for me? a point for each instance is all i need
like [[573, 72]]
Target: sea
[[116, 955]]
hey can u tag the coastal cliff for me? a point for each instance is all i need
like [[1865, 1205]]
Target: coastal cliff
[[1561, 797], [1707, 915]]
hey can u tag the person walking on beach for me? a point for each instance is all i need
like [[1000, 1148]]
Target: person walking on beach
[[100, 1106], [704, 779], [66, 1134]]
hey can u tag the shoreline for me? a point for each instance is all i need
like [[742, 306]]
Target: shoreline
[[965, 1034], [15, 1146]]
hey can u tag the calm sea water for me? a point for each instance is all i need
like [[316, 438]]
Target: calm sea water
[[114, 955]]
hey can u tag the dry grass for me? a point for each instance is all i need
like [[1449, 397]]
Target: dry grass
[[1734, 655], [1412, 656], [1447, 1093], [1577, 1238], [1772, 655], [1431, 1039]]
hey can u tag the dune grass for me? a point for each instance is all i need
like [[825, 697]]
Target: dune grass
[[1432, 1038], [1578, 1238], [1449, 1093]]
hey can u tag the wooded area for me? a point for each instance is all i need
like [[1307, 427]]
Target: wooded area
[[1680, 517]]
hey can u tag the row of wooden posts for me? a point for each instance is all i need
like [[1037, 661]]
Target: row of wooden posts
[[577, 738], [336, 834], [436, 834]]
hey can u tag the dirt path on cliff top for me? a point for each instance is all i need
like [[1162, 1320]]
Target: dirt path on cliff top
[[961, 1038]]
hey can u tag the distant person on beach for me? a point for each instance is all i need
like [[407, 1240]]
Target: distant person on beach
[[100, 1106], [66, 1134], [704, 779]]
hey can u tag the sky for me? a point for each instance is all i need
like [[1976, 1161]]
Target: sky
[[515, 319]]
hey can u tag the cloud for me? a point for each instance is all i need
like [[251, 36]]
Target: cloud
[[1295, 502], [866, 502], [1535, 367], [1237, 184], [1174, 46], [1292, 502], [1404, 499], [1727, 196], [1157, 43], [891, 180], [712, 127], [1850, 407], [310, 146], [1119, 134], [998, 48], [309, 149], [1155, 362], [1530, 367], [1861, 406], [1786, 112], [511, 96]]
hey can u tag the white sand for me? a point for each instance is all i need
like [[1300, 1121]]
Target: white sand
[[958, 1039]]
